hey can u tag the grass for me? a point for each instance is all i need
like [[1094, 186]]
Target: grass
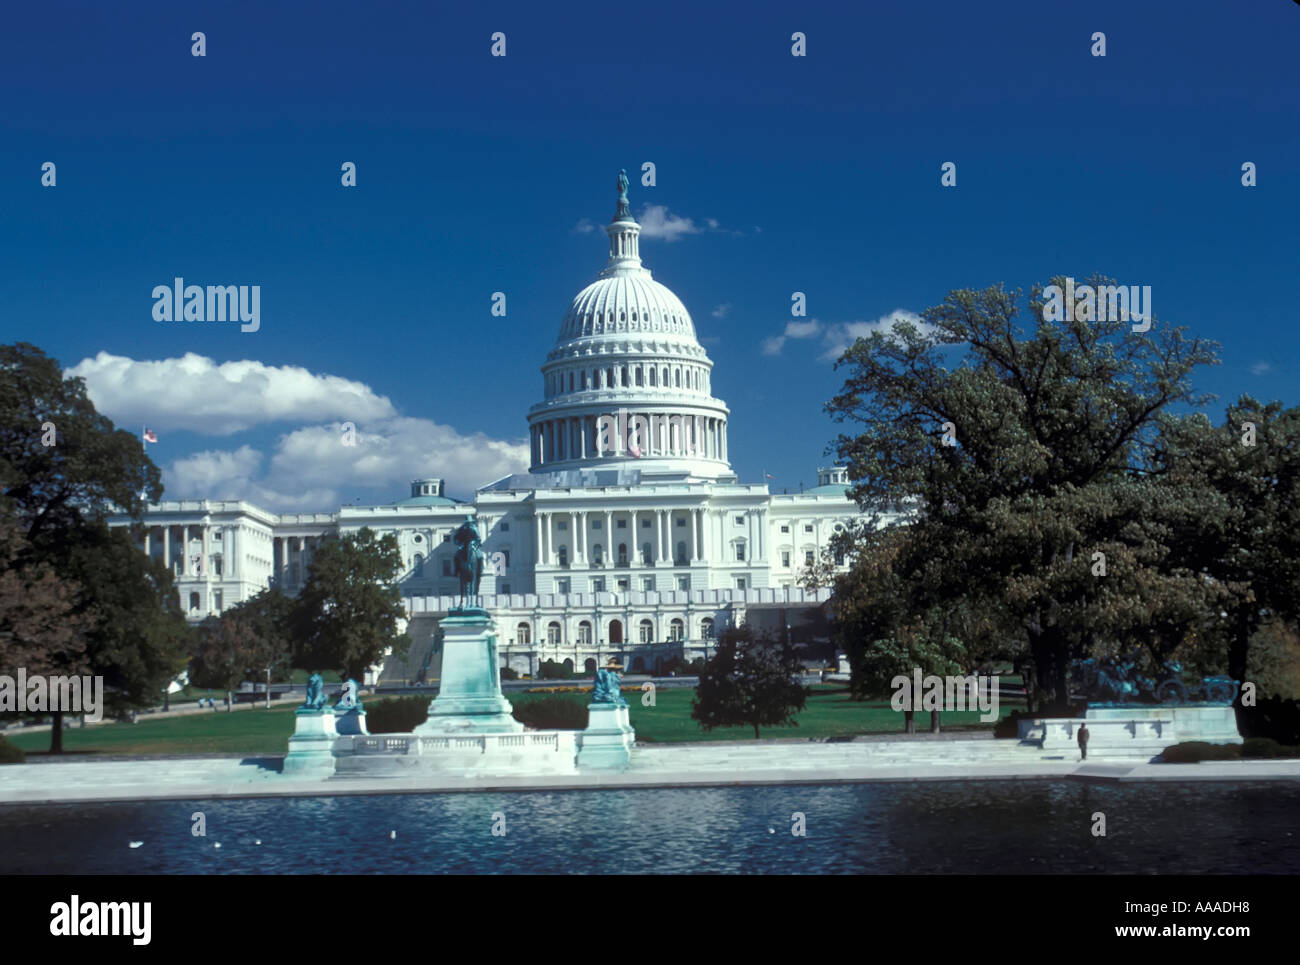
[[829, 713]]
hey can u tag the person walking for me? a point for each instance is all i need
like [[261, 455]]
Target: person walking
[[1083, 742]]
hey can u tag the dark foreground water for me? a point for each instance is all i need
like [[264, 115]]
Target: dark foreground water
[[957, 827]]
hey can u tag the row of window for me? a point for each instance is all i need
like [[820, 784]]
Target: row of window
[[614, 632], [594, 323], [564, 585], [626, 376]]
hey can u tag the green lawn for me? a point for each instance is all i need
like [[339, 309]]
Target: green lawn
[[829, 713], [259, 731]]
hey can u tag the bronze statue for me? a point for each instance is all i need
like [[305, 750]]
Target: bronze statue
[[624, 207], [468, 562], [315, 693], [608, 688]]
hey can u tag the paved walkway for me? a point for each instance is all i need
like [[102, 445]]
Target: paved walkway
[[664, 765]]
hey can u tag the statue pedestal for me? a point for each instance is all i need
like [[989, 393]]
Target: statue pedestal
[[607, 741], [311, 748], [350, 720], [469, 697]]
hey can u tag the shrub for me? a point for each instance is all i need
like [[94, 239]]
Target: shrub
[[552, 712], [509, 673], [9, 754], [550, 670], [1267, 747], [1191, 752], [397, 715]]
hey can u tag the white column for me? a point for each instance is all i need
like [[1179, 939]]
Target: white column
[[659, 521], [581, 548], [550, 538], [634, 550], [282, 571], [584, 436], [167, 547], [203, 558]]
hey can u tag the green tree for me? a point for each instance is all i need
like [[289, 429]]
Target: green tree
[[248, 642], [1243, 479], [347, 615], [751, 681], [137, 637], [64, 468], [92, 469], [1008, 459], [877, 624]]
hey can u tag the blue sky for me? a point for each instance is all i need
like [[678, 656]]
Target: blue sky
[[818, 174]]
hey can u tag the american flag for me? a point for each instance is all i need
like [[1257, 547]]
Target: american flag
[[150, 435]]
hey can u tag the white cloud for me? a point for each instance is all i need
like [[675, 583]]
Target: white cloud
[[1260, 368], [840, 336], [722, 310], [773, 345], [802, 329], [197, 394], [584, 227], [657, 222], [311, 466]]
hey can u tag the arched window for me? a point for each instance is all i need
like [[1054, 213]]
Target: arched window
[[639, 379], [677, 377], [553, 634], [645, 554], [596, 554], [564, 555], [524, 633], [647, 631], [676, 631], [622, 554], [706, 628], [652, 376], [584, 634], [419, 564], [615, 631]]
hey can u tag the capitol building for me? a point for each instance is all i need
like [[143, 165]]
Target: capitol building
[[629, 536]]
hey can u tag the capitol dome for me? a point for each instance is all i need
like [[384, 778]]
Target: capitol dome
[[628, 384]]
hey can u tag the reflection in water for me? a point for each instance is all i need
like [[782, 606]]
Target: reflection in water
[[947, 827]]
